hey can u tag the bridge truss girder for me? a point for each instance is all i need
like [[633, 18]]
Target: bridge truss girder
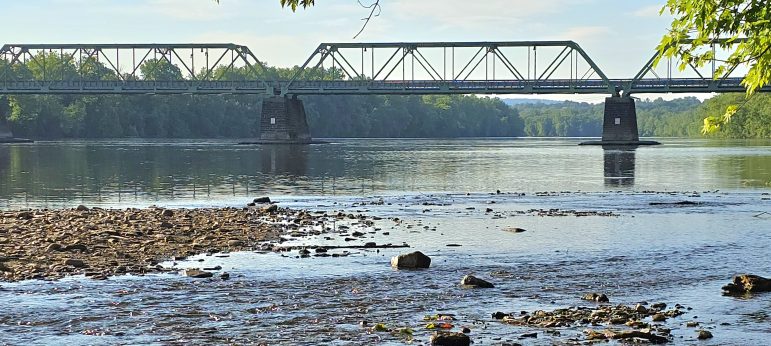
[[447, 70], [64, 68]]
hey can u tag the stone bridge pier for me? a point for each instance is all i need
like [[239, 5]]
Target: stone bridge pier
[[619, 124], [283, 121]]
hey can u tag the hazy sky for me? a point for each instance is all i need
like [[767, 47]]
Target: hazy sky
[[619, 35]]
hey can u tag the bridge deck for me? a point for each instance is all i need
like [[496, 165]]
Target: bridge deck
[[595, 86]]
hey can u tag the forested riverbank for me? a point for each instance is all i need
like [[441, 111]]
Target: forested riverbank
[[235, 116]]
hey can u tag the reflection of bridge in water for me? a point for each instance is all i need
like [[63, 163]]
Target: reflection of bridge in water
[[527, 67], [619, 165]]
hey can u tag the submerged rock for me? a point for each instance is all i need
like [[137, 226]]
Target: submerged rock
[[450, 339], [414, 260], [748, 284], [475, 282]]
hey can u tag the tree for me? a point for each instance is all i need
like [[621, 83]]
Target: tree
[[294, 3], [742, 27]]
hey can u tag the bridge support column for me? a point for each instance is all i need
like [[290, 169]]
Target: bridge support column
[[619, 125], [283, 121]]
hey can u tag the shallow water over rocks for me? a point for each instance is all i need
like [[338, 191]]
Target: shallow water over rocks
[[633, 246], [652, 254]]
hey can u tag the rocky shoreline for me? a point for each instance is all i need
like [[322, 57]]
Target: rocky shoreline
[[51, 244]]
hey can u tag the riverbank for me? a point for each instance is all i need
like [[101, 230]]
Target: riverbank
[[51, 244]]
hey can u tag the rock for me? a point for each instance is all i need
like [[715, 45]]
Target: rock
[[465, 330], [270, 209], [489, 210], [499, 315], [235, 243], [412, 260], [659, 318], [633, 334], [54, 247], [167, 213], [515, 230], [370, 244], [75, 263], [640, 309], [76, 247], [82, 208], [596, 297], [704, 335], [475, 282], [198, 274], [748, 284], [225, 276], [450, 339], [166, 224], [529, 335], [692, 324], [659, 306], [262, 200]]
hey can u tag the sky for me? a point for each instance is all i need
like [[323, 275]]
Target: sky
[[620, 36]]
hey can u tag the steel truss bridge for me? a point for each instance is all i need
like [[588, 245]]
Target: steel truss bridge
[[526, 67]]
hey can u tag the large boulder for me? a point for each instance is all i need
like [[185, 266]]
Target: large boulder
[[414, 260], [475, 282], [748, 284]]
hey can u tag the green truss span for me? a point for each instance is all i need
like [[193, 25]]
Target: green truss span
[[523, 67]]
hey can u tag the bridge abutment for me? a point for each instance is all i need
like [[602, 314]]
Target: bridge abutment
[[283, 121], [619, 124]]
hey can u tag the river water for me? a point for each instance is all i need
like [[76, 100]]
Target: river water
[[630, 247]]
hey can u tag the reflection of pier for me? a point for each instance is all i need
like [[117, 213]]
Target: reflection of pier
[[5, 158], [290, 159], [619, 165]]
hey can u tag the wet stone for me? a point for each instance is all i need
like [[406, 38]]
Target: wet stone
[[704, 335], [596, 297], [474, 282], [198, 274], [450, 339], [414, 260]]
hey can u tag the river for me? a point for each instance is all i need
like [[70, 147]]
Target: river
[[630, 246]]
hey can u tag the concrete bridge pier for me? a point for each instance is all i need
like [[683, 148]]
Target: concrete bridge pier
[[619, 125], [283, 121]]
